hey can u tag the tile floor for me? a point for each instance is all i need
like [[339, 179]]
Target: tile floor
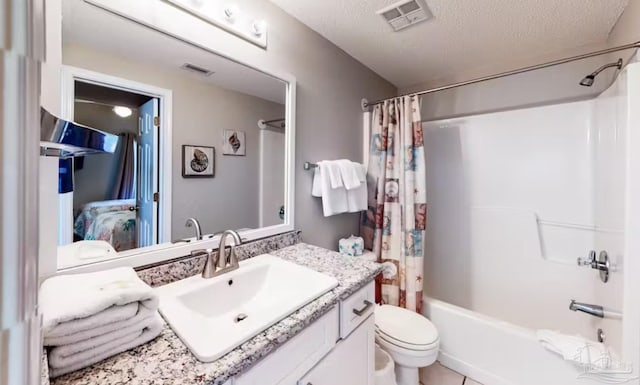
[[437, 374]]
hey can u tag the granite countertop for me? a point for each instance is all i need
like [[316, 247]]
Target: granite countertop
[[166, 360]]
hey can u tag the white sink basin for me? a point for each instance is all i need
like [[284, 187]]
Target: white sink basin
[[213, 316]]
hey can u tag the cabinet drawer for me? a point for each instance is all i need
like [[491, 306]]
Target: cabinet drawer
[[291, 360], [355, 309]]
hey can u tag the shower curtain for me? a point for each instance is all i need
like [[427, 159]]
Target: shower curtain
[[394, 224], [124, 186]]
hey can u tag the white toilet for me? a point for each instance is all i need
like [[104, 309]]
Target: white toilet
[[409, 338]]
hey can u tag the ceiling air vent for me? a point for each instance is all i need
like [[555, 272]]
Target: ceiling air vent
[[195, 69], [404, 14]]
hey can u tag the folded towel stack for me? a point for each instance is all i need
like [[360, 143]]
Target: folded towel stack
[[90, 317], [342, 186]]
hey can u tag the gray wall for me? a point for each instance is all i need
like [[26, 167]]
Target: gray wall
[[201, 112], [540, 87], [330, 84]]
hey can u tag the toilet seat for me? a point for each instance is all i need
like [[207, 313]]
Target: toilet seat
[[406, 345], [405, 329]]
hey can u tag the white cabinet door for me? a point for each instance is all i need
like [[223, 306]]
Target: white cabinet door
[[297, 356], [351, 362]]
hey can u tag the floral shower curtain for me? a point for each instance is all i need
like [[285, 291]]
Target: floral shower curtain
[[394, 224]]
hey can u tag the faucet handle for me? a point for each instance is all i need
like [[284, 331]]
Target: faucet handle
[[209, 269]]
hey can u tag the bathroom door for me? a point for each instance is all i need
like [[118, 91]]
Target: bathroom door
[[147, 197]]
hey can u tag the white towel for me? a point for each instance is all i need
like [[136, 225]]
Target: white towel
[[349, 174], [577, 349], [334, 199], [69, 358], [77, 303], [107, 321], [357, 197]]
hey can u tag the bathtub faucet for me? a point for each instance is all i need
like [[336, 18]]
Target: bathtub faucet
[[594, 310]]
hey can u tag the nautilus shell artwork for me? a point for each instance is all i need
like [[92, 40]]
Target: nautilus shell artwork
[[200, 161]]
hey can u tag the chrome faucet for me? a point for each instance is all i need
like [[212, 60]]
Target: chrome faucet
[[230, 261], [220, 263], [192, 222], [594, 310]]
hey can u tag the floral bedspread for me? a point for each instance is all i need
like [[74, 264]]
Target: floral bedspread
[[110, 221]]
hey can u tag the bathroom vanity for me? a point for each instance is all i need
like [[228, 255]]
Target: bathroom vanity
[[331, 338]]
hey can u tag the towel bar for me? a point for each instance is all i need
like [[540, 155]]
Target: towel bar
[[309, 165]]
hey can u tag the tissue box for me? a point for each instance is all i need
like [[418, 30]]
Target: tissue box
[[351, 247]]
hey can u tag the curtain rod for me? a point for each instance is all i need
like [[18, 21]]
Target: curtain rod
[[262, 124], [366, 104]]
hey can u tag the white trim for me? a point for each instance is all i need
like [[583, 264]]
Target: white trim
[[366, 137], [290, 156], [65, 210], [71, 74], [261, 180]]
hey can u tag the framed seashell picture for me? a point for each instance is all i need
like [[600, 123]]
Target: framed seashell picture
[[233, 143], [198, 161]]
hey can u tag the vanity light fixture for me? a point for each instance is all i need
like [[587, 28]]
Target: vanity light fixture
[[258, 27], [122, 111], [230, 12], [228, 17]]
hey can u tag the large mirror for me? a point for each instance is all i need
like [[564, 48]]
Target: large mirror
[[199, 136]]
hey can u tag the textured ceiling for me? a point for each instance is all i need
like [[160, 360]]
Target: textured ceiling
[[463, 35]]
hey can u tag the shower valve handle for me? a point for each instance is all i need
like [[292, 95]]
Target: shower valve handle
[[600, 263], [587, 261]]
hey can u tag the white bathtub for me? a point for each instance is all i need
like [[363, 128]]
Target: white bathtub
[[494, 352]]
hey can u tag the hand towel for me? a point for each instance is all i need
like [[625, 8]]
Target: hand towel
[[69, 358], [74, 303], [357, 197], [334, 199], [316, 186], [349, 174]]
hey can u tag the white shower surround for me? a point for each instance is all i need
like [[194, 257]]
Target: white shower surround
[[514, 198]]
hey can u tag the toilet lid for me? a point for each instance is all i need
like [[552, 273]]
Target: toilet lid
[[405, 325]]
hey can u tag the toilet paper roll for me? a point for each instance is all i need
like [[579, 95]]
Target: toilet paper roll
[[389, 270]]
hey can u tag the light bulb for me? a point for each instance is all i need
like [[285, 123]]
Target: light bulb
[[122, 111], [258, 27], [231, 12]]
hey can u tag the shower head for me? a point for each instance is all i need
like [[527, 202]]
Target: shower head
[[588, 80]]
